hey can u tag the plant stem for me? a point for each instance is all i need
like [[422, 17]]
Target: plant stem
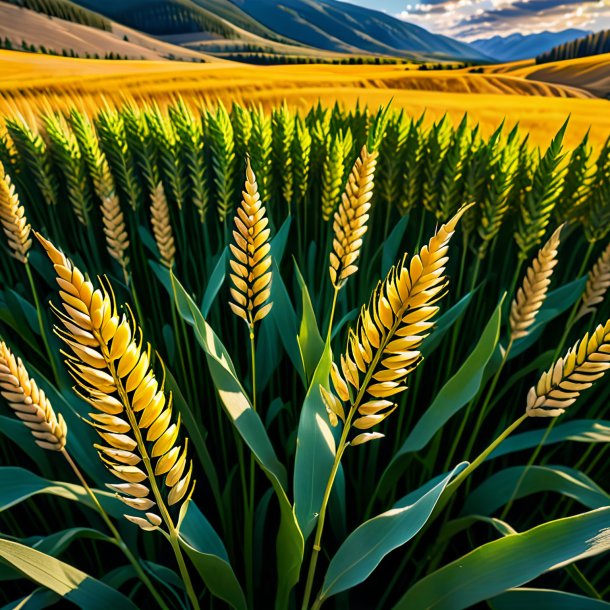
[[249, 523], [184, 573], [321, 518], [456, 483], [332, 315], [43, 333], [115, 534]]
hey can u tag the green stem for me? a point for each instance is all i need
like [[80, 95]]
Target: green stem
[[115, 534], [184, 573], [332, 315], [321, 518], [457, 482], [43, 333], [249, 524]]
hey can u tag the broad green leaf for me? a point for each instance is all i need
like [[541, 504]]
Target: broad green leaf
[[205, 549], [290, 543], [578, 430], [36, 600], [197, 435], [311, 344], [315, 449], [69, 582], [391, 245], [367, 545], [522, 481], [510, 562], [18, 484], [279, 241], [458, 391], [445, 322], [14, 431], [215, 281], [545, 599], [285, 320]]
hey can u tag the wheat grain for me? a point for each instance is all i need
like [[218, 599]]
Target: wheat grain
[[132, 413], [13, 219], [30, 403], [384, 347], [162, 226], [115, 230], [350, 220], [531, 295], [562, 384], [251, 274], [597, 285]]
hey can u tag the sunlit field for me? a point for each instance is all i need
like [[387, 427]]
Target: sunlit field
[[302, 337]]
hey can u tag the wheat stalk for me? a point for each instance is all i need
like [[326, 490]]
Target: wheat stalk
[[532, 294], [381, 352], [251, 274], [562, 384], [162, 226], [13, 219], [115, 230], [30, 403], [384, 347], [350, 220], [132, 413], [597, 285]]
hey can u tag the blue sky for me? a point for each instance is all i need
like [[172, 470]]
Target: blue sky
[[470, 19]]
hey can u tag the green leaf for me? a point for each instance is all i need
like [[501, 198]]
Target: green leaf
[[202, 544], [65, 580], [215, 281], [311, 344], [36, 600], [367, 545], [522, 481], [391, 245], [285, 319], [14, 431], [18, 484], [315, 449], [290, 543], [458, 391], [578, 430], [445, 322], [545, 599], [510, 562]]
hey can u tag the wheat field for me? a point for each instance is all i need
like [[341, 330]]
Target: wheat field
[[293, 354]]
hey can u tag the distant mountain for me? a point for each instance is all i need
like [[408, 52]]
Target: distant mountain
[[520, 46], [346, 28]]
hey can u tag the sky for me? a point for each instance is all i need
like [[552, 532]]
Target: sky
[[471, 19]]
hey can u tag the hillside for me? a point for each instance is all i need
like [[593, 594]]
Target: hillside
[[524, 46], [536, 106], [64, 9], [19, 24], [343, 27], [589, 73]]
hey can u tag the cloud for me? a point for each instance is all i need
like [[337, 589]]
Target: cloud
[[469, 19]]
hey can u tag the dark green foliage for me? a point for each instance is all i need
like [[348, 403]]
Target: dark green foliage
[[64, 9], [592, 44]]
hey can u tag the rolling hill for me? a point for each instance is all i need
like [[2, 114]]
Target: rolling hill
[[347, 28], [520, 46], [20, 24]]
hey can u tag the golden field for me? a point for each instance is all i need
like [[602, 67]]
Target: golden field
[[510, 92]]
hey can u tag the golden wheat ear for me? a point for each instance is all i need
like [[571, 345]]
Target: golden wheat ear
[[560, 386], [132, 413], [115, 230], [384, 348], [597, 285], [251, 263], [531, 295], [13, 219], [162, 226], [351, 217], [30, 403]]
